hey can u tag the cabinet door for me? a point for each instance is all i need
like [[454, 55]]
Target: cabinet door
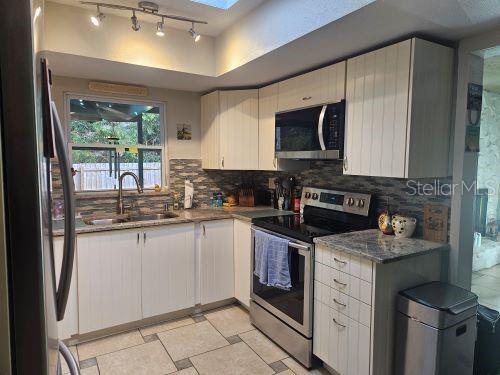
[[210, 136], [168, 269], [301, 91], [216, 261], [239, 129], [317, 87], [69, 325], [377, 107], [242, 263], [109, 279], [268, 106]]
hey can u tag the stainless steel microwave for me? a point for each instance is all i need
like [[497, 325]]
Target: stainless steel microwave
[[311, 133]]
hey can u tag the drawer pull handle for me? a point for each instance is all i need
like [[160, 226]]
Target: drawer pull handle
[[339, 261], [338, 282], [337, 323], [339, 303], [307, 98]]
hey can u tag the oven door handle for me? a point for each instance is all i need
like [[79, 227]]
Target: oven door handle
[[291, 244]]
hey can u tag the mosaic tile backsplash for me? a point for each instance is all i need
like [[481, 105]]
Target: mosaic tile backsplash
[[321, 174]]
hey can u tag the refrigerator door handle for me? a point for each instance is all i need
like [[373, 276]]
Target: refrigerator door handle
[[74, 369], [69, 217]]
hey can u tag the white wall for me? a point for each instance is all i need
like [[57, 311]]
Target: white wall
[[181, 107], [68, 30], [274, 24]]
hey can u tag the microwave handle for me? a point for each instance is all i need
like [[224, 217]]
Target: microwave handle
[[321, 137]]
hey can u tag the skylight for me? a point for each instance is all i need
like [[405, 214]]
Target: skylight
[[221, 4]]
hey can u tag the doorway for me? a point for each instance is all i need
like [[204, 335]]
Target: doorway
[[484, 115]]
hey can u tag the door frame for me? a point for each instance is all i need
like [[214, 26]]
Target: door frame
[[465, 164]]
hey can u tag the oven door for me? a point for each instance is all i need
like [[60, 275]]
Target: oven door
[[294, 307]]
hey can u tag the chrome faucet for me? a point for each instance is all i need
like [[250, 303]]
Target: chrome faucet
[[120, 189]]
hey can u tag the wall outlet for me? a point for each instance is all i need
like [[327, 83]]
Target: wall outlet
[[270, 183]]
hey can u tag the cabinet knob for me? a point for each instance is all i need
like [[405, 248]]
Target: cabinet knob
[[223, 162], [307, 98]]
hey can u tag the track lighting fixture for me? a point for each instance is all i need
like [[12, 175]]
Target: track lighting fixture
[[160, 28], [136, 26], [194, 34], [97, 19], [146, 7]]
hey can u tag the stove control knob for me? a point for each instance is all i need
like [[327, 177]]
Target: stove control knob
[[350, 201], [307, 195], [361, 203], [315, 196]]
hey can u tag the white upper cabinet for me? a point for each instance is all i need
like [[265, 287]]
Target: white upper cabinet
[[239, 129], [317, 87], [210, 137], [168, 269], [230, 130], [398, 111], [268, 106]]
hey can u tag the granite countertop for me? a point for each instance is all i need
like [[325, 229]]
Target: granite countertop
[[184, 216], [378, 247]]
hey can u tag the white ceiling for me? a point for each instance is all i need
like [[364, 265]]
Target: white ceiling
[[378, 23], [218, 19]]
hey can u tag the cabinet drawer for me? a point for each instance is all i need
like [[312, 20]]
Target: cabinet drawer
[[341, 302], [351, 285], [342, 261]]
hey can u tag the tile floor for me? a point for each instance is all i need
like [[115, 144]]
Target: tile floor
[[218, 342], [486, 284]]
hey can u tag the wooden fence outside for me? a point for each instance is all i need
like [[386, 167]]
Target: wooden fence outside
[[95, 176]]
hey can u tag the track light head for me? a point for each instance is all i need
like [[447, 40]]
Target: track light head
[[97, 19], [194, 34], [136, 26], [160, 28]]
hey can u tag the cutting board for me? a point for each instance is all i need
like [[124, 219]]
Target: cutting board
[[436, 223]]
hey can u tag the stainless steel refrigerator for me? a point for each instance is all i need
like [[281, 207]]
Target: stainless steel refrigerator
[[31, 301]]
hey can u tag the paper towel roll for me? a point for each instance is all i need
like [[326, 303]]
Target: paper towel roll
[[188, 194]]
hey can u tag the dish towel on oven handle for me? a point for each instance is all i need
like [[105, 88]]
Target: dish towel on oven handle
[[271, 260]]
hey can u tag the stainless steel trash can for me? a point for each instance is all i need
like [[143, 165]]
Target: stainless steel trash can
[[435, 330]]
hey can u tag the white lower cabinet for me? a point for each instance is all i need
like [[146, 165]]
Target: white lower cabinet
[[216, 261], [168, 269], [128, 275], [242, 261], [69, 325], [355, 307], [341, 342], [109, 279]]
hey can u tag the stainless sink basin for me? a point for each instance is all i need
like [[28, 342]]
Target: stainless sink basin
[[106, 221], [153, 216], [129, 218]]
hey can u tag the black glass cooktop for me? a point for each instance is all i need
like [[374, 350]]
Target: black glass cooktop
[[304, 229]]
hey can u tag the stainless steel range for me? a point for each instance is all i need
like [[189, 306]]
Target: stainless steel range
[[286, 315]]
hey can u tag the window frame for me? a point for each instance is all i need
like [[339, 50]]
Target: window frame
[[68, 96]]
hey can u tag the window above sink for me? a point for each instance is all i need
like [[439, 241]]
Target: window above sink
[[108, 137]]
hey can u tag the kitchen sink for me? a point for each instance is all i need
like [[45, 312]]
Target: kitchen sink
[[153, 216], [129, 218], [106, 220]]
